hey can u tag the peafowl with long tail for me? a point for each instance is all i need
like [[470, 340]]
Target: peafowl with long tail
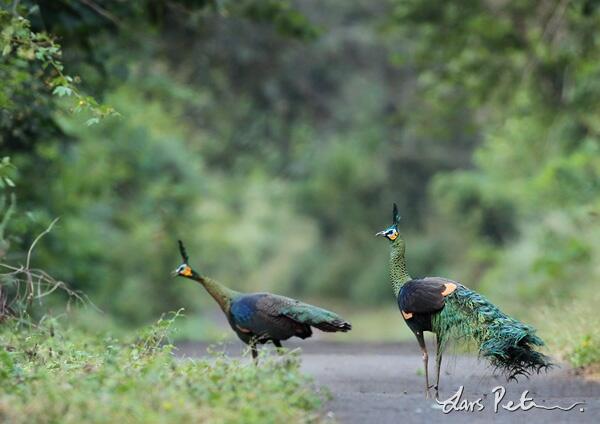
[[451, 310], [258, 318]]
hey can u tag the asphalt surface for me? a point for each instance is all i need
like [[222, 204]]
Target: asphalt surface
[[383, 383]]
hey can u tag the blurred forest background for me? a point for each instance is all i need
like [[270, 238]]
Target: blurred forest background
[[273, 137]]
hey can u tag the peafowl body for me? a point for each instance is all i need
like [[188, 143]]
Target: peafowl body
[[450, 310], [258, 318]]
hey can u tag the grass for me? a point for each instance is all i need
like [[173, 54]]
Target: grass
[[572, 331], [51, 374]]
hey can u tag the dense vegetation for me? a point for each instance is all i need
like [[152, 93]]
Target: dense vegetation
[[273, 137], [50, 374]]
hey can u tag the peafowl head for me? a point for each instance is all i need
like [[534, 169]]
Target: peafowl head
[[392, 233], [184, 270]]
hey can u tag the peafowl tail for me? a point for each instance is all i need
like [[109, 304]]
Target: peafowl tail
[[508, 344], [317, 317]]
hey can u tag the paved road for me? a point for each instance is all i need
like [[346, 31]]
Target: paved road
[[379, 383]]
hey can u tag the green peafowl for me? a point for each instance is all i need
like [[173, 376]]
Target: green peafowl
[[449, 309], [258, 318]]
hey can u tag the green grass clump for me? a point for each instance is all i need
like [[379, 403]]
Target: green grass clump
[[50, 374], [572, 331], [587, 352]]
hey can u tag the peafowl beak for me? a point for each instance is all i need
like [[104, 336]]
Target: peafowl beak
[[381, 233]]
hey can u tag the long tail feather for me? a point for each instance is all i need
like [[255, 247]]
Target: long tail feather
[[333, 326], [317, 317], [508, 344]]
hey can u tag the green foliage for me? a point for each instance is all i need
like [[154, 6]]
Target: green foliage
[[525, 216], [274, 136], [31, 69], [56, 374], [587, 352], [241, 166], [285, 19], [573, 329], [526, 211], [7, 201]]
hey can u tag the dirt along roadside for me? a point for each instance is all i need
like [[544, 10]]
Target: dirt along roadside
[[383, 383]]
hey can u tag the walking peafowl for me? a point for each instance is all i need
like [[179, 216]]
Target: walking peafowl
[[450, 310], [258, 318]]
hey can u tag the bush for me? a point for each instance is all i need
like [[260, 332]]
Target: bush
[[586, 352], [572, 331], [51, 374]]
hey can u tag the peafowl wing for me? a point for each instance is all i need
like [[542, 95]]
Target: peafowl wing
[[272, 317], [425, 295], [258, 315]]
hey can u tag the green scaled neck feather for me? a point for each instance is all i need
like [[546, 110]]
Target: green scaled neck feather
[[398, 273], [219, 292]]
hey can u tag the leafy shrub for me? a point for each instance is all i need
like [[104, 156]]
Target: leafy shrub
[[576, 339], [51, 374], [586, 352]]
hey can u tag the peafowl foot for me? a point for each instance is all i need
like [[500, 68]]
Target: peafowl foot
[[428, 393]]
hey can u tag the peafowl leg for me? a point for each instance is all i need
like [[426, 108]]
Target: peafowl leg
[[438, 363], [277, 344], [421, 341], [254, 351]]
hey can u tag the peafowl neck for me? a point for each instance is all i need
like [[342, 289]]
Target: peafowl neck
[[398, 273], [222, 295]]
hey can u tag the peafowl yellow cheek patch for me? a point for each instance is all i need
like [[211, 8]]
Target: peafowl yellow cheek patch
[[187, 272]]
